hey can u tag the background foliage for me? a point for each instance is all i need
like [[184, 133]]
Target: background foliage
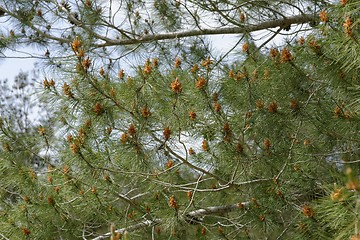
[[151, 133]]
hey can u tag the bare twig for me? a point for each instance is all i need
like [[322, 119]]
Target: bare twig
[[215, 210]]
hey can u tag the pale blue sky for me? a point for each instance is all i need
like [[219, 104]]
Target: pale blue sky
[[10, 67]]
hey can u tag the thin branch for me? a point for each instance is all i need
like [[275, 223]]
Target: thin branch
[[251, 182], [295, 137], [3, 237], [215, 210], [146, 223]]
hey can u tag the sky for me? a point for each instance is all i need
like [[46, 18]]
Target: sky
[[10, 67]]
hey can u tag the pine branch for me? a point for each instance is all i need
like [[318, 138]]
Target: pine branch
[[5, 12], [282, 23], [191, 217]]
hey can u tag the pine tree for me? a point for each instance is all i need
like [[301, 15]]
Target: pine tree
[[155, 135]]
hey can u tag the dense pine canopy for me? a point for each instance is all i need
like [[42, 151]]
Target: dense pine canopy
[[142, 126]]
